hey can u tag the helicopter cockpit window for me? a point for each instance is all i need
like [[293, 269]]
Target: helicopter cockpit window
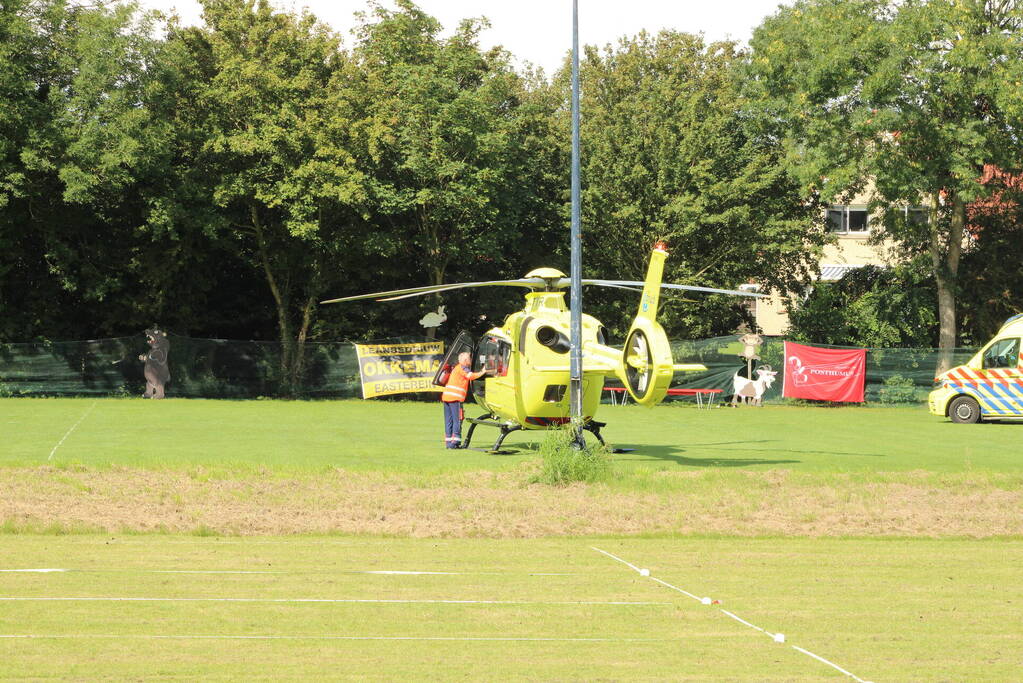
[[492, 355]]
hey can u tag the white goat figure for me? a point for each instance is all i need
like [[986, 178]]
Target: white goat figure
[[752, 390], [432, 319]]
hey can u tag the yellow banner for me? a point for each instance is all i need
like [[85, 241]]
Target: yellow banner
[[398, 368]]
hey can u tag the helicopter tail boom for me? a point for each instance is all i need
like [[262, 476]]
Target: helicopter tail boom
[[646, 366], [652, 285]]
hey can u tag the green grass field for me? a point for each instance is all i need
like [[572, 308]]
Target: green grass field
[[143, 607], [366, 435], [266, 539]]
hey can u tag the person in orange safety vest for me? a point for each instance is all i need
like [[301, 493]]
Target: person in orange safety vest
[[455, 392]]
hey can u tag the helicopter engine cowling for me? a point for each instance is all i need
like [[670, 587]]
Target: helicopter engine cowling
[[553, 339]]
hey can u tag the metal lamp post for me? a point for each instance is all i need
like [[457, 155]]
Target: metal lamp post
[[576, 295]]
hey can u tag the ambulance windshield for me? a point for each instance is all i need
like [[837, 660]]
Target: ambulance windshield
[[1004, 353]]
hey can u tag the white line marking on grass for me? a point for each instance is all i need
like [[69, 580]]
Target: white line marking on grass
[[777, 637], [831, 664], [640, 572], [676, 588], [191, 571], [618, 559], [381, 572], [743, 621], [399, 572], [330, 600], [73, 427], [483, 639]]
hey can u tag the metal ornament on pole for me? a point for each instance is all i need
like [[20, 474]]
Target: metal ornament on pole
[[576, 297]]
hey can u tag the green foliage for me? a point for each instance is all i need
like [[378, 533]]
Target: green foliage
[[869, 306], [73, 141], [991, 282], [672, 150], [458, 150], [265, 113], [908, 99], [563, 463], [897, 389]]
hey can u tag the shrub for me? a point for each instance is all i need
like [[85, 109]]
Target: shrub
[[897, 389], [563, 463]]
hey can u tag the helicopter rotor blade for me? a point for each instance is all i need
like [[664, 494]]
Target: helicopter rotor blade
[[626, 284], [604, 284], [394, 294]]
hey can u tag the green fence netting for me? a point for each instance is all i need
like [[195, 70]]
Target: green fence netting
[[200, 368], [893, 375], [220, 368]]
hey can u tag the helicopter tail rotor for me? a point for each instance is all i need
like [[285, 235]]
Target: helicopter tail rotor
[[646, 367]]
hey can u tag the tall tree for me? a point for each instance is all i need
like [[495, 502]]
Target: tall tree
[[991, 283], [457, 142], [672, 151], [912, 97], [76, 141]]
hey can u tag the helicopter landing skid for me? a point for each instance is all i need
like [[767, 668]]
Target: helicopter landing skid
[[593, 427], [489, 421]]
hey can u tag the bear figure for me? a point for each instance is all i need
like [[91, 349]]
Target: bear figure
[[750, 346], [156, 370]]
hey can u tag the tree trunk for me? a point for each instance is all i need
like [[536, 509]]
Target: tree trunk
[[945, 263], [280, 301], [298, 359]]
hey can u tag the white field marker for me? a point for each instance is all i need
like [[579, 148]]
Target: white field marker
[[73, 427], [377, 601], [776, 637], [34, 571]]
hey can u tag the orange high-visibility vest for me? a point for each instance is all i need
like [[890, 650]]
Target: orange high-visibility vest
[[457, 387]]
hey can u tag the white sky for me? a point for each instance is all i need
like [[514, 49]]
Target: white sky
[[540, 31]]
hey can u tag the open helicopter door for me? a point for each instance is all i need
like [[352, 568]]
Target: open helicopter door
[[463, 342]]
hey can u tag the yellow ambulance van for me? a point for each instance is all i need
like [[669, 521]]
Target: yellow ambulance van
[[990, 386]]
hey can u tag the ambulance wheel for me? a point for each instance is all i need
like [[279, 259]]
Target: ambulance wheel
[[964, 410]]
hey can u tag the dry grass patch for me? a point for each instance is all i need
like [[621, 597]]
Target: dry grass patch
[[497, 505]]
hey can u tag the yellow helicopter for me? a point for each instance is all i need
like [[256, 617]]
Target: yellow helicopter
[[527, 357]]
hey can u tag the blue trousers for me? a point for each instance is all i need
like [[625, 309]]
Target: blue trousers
[[452, 424]]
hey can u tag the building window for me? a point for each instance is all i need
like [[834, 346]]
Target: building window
[[848, 219], [917, 215]]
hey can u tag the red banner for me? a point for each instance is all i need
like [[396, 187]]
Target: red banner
[[824, 374]]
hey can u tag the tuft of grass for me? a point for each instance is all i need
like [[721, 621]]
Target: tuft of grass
[[34, 526], [563, 463]]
